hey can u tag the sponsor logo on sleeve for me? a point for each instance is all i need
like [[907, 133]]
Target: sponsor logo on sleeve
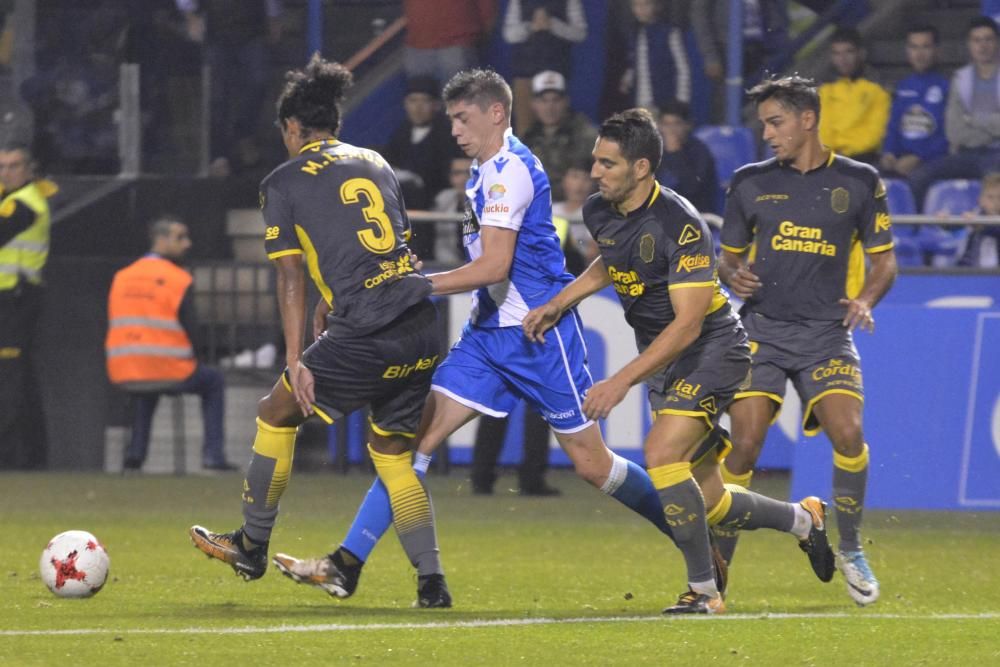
[[689, 263], [689, 234], [882, 222], [271, 233]]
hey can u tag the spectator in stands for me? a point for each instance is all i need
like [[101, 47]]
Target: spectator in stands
[[855, 108], [448, 246], [972, 117], [567, 213], [765, 33], [443, 36], [24, 251], [423, 143], [659, 66], [236, 36], [687, 166], [541, 34], [151, 343], [982, 247], [916, 123], [559, 136]]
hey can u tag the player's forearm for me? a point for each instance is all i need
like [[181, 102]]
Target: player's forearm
[[291, 288], [881, 277], [478, 273], [592, 280], [664, 349]]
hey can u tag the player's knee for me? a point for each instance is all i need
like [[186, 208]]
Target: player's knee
[[273, 412], [746, 450], [847, 439]]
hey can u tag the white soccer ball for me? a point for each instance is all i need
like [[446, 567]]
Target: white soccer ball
[[74, 564]]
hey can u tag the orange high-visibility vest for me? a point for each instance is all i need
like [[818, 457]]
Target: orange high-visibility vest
[[146, 342]]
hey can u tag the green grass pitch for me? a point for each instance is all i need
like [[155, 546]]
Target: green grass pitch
[[575, 580]]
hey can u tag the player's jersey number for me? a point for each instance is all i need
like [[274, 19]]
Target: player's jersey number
[[384, 239]]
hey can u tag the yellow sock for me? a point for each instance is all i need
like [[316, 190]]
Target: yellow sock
[[670, 474], [852, 464], [729, 477], [277, 443], [410, 507], [721, 509]]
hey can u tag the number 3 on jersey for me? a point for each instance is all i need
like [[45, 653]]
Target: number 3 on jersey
[[385, 239]]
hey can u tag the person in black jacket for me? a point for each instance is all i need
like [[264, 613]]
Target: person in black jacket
[[687, 166]]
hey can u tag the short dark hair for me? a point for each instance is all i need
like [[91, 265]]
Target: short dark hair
[[794, 93], [926, 27], [159, 225], [848, 36], [636, 134], [313, 94], [482, 87], [15, 145], [983, 22], [676, 108]]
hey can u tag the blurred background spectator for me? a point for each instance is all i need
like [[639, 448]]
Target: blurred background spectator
[[559, 136], [659, 66], [577, 186], [236, 36], [916, 122], [448, 246], [541, 34], [982, 246], [972, 117], [765, 33], [687, 166], [855, 108], [444, 36]]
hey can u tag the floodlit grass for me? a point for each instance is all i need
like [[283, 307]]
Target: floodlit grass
[[583, 579]]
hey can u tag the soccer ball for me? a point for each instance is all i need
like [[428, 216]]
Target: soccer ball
[[74, 564]]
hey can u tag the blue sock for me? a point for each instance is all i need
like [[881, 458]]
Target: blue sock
[[374, 517], [630, 485]]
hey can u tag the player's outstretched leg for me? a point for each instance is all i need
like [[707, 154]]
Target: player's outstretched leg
[[850, 478], [740, 509], [245, 549], [684, 508], [728, 539], [413, 517], [338, 572]]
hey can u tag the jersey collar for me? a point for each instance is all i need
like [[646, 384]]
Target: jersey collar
[[315, 145], [824, 165], [508, 134]]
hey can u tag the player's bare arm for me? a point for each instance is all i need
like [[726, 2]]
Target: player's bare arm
[[489, 268], [541, 319], [735, 272], [690, 305], [880, 278], [291, 288]]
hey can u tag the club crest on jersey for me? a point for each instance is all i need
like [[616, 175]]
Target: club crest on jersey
[[646, 246], [689, 234], [840, 199]]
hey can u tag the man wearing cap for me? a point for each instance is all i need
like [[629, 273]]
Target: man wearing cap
[[559, 136]]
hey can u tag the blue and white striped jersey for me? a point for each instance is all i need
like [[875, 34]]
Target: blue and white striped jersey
[[511, 190]]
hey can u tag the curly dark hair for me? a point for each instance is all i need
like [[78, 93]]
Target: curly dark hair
[[313, 94]]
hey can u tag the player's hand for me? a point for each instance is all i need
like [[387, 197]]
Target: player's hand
[[539, 320], [319, 318], [415, 260], [303, 387], [604, 396], [859, 314], [744, 283]]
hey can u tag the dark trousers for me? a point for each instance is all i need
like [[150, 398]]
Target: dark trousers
[[22, 427], [208, 383], [489, 442], [973, 163]]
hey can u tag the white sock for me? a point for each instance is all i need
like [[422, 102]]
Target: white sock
[[803, 522], [421, 462], [704, 587]]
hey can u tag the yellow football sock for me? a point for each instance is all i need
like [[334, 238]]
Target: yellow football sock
[[410, 506]]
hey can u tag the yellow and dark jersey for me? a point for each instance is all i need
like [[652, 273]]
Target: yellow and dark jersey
[[806, 233], [341, 206], [660, 247]]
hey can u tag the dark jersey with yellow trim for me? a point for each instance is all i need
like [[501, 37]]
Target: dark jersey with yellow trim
[[341, 206], [662, 246], [806, 232]]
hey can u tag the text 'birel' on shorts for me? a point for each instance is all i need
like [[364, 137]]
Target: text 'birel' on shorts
[[389, 369], [818, 355], [491, 369]]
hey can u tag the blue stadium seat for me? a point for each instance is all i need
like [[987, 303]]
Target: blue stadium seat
[[732, 147], [899, 197], [955, 197]]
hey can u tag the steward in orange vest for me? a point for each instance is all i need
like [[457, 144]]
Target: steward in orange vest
[[147, 344]]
